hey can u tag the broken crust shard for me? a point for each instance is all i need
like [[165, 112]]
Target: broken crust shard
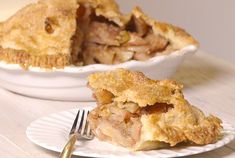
[[142, 114], [57, 33]]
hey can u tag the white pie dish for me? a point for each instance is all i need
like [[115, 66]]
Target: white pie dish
[[70, 83]]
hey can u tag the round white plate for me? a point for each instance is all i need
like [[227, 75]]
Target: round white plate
[[70, 83], [52, 133]]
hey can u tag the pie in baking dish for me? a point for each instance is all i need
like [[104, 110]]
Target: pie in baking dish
[[141, 114], [58, 33]]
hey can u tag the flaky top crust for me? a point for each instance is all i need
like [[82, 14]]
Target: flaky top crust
[[41, 30], [136, 87]]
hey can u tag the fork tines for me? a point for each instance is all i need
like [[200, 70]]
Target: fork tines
[[81, 122]]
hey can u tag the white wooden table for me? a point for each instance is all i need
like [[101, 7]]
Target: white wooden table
[[209, 84]]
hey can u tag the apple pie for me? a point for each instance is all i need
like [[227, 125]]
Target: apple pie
[[141, 114], [58, 33]]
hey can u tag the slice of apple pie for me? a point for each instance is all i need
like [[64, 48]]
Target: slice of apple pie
[[58, 33], [142, 114]]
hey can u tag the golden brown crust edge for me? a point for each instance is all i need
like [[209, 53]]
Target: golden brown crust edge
[[33, 36], [26, 60]]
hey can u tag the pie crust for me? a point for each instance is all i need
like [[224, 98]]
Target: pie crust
[[57, 33], [142, 114]]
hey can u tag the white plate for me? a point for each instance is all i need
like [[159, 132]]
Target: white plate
[[52, 133], [69, 84]]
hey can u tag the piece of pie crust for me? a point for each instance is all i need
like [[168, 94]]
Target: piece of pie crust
[[40, 34], [58, 33], [138, 113]]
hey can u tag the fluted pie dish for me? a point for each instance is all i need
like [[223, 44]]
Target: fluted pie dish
[[55, 45]]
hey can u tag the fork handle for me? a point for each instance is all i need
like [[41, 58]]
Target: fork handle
[[68, 149]]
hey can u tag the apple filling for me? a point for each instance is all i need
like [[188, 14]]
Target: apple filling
[[121, 122], [106, 42]]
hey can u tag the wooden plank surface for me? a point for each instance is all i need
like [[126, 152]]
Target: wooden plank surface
[[209, 84]]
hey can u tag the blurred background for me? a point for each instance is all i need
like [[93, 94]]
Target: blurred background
[[211, 22]]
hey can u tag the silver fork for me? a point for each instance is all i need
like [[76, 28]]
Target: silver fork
[[83, 131]]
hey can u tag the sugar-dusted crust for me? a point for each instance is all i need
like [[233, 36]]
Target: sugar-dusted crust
[[181, 123], [40, 34], [125, 85]]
